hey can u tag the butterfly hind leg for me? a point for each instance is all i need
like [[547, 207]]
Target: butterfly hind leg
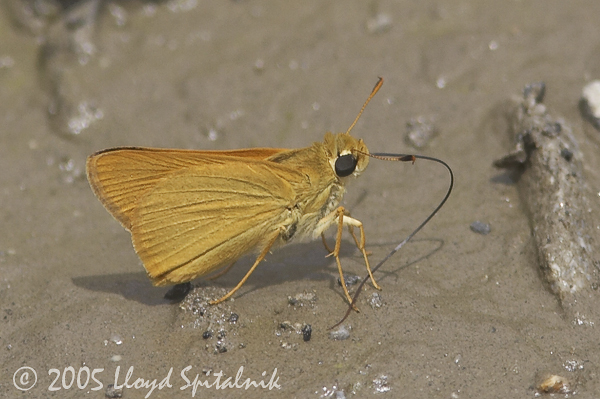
[[221, 273], [260, 257]]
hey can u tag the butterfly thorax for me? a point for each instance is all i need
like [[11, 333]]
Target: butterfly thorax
[[321, 190]]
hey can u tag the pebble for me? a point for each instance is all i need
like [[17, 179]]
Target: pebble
[[480, 228], [302, 299], [591, 94], [590, 98], [380, 23], [554, 384], [233, 318], [306, 332], [349, 280], [420, 131], [376, 301], [339, 334], [112, 393]]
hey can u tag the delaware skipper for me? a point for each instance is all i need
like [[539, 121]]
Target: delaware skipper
[[192, 212]]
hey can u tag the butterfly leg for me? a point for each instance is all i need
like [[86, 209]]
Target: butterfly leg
[[336, 252], [222, 272], [260, 257], [350, 229], [326, 222], [329, 250], [351, 223]]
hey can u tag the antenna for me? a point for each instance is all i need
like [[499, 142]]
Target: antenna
[[402, 158], [375, 90]]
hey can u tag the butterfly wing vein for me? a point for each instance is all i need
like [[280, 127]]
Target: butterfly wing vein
[[203, 218]]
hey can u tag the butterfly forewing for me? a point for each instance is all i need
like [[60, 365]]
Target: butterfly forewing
[[120, 177], [204, 217]]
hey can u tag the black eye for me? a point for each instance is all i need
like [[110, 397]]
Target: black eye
[[345, 165]]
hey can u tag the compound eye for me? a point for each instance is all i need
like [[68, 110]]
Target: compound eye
[[345, 165]]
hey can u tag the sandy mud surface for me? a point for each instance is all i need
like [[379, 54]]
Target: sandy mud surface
[[461, 314]]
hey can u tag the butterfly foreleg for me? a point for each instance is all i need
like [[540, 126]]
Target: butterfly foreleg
[[343, 219]]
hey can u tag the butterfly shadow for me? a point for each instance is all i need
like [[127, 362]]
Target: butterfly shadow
[[309, 261], [293, 262], [429, 246], [296, 262], [133, 286]]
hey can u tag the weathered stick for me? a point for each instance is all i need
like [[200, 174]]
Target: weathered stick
[[551, 183]]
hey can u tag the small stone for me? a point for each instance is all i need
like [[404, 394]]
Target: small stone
[[234, 318], [112, 393], [566, 154], [340, 334], [220, 347], [376, 301], [302, 299], [552, 129], [480, 228], [259, 65], [306, 332], [380, 384], [591, 95], [286, 325], [207, 334], [380, 23], [554, 384], [590, 103], [535, 91], [419, 131], [349, 280], [116, 338]]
